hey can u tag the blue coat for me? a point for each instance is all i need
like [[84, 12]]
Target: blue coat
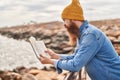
[[94, 51]]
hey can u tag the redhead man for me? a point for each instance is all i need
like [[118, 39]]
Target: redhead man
[[93, 50]]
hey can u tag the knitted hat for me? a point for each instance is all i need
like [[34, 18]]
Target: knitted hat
[[73, 11]]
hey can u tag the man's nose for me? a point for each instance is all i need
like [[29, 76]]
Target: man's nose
[[65, 25]]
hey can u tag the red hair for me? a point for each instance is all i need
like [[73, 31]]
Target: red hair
[[73, 33]]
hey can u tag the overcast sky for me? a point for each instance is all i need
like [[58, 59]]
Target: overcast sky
[[16, 12]]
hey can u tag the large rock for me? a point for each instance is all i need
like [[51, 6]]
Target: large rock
[[21, 70], [10, 76], [28, 76], [34, 71]]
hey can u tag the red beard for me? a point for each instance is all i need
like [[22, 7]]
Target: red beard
[[73, 32]]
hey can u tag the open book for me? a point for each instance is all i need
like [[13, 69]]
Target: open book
[[38, 47]]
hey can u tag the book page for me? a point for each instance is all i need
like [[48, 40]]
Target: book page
[[38, 47]]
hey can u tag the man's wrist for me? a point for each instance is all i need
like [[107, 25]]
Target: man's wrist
[[56, 56], [52, 62]]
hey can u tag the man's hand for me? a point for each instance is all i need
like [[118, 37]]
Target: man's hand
[[52, 54], [45, 60]]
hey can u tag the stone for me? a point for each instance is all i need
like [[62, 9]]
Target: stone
[[47, 41], [119, 38], [11, 76], [21, 70], [28, 76], [49, 68], [55, 47], [34, 71], [112, 38], [68, 48], [33, 68], [46, 75], [3, 74], [16, 76], [60, 34]]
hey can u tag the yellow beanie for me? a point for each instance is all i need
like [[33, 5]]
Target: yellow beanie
[[73, 11]]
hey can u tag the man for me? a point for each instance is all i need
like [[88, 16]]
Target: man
[[94, 50]]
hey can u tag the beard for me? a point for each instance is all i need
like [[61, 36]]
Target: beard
[[73, 29], [73, 33]]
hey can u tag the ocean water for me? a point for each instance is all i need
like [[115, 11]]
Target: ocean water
[[14, 53], [17, 12]]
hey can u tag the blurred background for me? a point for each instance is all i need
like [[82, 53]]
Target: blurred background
[[16, 12]]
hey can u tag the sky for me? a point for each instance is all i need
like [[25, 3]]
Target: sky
[[18, 12]]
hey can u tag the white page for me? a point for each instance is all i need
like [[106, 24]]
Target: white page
[[38, 47]]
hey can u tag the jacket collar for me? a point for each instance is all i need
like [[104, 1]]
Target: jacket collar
[[83, 26]]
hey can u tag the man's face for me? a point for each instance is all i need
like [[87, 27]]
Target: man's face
[[67, 23], [71, 27]]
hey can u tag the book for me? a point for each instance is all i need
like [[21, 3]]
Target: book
[[38, 47]]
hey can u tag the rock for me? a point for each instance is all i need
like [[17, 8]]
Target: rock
[[47, 41], [38, 35], [60, 34], [21, 70], [16, 76], [64, 44], [55, 47], [119, 38], [68, 49], [104, 27], [117, 33], [32, 68], [34, 71], [58, 51], [118, 51], [112, 38], [49, 68], [50, 75], [47, 34], [25, 35], [1, 73], [11, 76], [117, 47], [28, 76], [16, 36]]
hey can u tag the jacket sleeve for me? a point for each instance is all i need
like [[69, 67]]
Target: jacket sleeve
[[87, 50], [68, 57]]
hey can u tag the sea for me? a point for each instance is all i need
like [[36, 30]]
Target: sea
[[18, 12]]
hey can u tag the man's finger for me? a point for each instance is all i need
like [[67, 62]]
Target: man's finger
[[42, 56], [47, 51]]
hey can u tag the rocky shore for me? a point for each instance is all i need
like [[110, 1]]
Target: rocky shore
[[55, 38], [33, 73], [55, 35]]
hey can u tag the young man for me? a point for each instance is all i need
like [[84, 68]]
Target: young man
[[94, 50]]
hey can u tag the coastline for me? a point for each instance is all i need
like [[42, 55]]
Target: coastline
[[54, 32], [55, 37]]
